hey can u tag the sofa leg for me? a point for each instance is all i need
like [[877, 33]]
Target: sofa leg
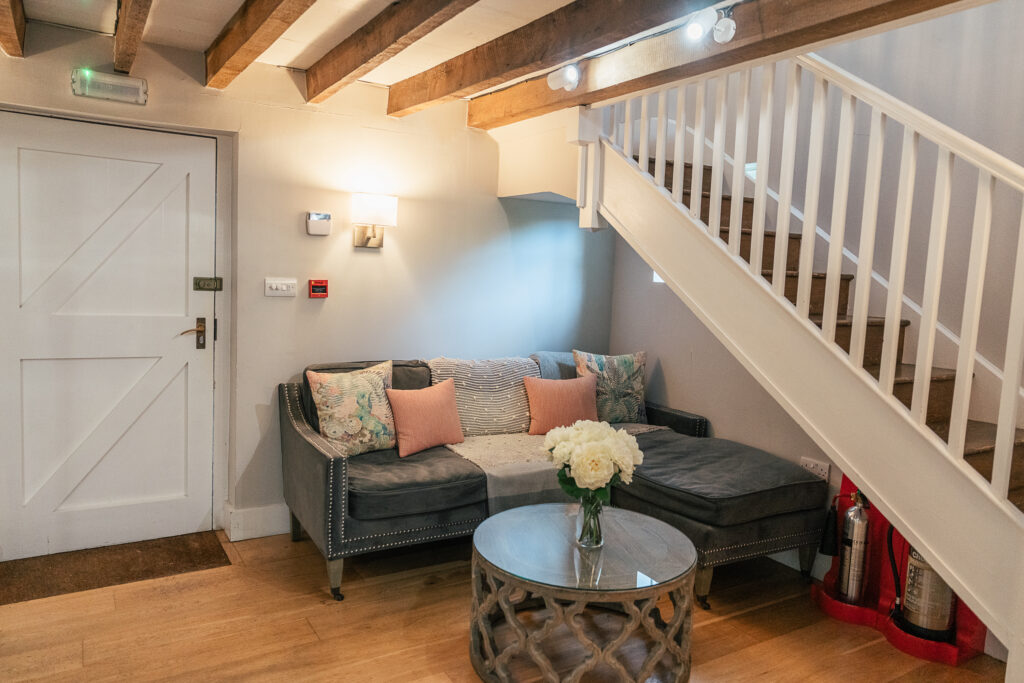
[[334, 570], [807, 554], [296, 528], [702, 586]]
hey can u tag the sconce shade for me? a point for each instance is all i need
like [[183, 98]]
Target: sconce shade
[[374, 209]]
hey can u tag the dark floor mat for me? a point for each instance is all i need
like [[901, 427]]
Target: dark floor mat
[[40, 577]]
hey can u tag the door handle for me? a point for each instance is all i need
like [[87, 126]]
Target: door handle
[[200, 331]]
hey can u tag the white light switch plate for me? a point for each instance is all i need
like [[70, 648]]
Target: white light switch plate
[[279, 286]]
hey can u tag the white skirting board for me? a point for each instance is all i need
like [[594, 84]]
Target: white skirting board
[[243, 523]]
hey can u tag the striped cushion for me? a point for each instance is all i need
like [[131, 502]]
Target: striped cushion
[[489, 394]]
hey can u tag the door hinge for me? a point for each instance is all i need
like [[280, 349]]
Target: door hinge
[[214, 329], [208, 284]]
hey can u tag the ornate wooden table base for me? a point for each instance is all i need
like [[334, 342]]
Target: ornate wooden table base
[[499, 598]]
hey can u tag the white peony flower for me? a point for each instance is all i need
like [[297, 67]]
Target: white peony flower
[[594, 451], [590, 465], [561, 453], [556, 436]]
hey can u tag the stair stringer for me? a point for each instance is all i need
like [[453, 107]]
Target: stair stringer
[[941, 505]]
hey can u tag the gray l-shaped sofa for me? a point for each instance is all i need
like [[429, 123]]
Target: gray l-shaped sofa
[[733, 501]]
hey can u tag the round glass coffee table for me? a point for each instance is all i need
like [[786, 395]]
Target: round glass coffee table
[[543, 604]]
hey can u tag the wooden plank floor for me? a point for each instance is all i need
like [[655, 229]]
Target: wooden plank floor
[[405, 618]]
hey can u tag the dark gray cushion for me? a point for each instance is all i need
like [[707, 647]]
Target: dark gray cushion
[[383, 485], [406, 374], [721, 482]]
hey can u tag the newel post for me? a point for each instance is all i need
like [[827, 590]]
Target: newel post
[[585, 130]]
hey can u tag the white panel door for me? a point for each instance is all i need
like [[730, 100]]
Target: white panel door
[[106, 411]]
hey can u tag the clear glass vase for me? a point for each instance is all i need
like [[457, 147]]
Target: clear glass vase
[[588, 521]]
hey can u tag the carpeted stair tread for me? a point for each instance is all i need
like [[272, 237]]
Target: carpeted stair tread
[[905, 373], [767, 272], [767, 233], [980, 437], [847, 321], [979, 452]]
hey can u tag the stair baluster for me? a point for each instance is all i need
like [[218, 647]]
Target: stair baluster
[[811, 195], [764, 149], [785, 202], [932, 284], [868, 225], [837, 232], [739, 163]]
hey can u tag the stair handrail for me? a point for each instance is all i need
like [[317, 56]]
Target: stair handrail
[[963, 146]]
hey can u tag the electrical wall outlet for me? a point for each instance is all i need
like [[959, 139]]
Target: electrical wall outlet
[[815, 467]]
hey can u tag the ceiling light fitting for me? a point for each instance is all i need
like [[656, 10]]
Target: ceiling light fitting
[[725, 27], [566, 78], [719, 23], [701, 22]]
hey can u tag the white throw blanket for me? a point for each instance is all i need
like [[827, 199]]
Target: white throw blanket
[[518, 469]]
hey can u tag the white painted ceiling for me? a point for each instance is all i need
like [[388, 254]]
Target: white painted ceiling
[[194, 24]]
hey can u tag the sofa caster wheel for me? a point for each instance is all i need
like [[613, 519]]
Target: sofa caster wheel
[[336, 594], [702, 600]]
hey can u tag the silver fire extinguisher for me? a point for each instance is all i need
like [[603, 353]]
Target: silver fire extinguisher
[[853, 553], [928, 601]]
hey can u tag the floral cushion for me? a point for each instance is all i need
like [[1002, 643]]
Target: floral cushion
[[620, 384], [353, 408]]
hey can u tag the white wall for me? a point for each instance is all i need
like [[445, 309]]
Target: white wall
[[464, 274]]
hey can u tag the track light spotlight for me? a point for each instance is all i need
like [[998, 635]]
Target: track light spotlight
[[566, 78], [725, 27], [701, 22]]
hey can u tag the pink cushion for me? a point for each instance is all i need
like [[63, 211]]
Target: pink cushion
[[560, 402], [425, 418]]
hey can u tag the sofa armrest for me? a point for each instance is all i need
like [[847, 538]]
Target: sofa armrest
[[315, 475], [677, 420]]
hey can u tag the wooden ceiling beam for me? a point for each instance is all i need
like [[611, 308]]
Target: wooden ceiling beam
[[12, 28], [131, 22], [400, 25], [568, 32], [764, 28], [255, 26]]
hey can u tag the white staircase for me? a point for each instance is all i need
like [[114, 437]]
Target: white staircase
[[860, 150]]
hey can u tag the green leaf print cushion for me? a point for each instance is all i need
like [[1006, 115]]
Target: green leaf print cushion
[[354, 410], [620, 384]]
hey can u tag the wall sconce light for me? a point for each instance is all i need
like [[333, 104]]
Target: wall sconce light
[[370, 213], [566, 78]]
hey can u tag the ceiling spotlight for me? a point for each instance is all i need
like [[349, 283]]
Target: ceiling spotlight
[[701, 23], [725, 27], [566, 78]]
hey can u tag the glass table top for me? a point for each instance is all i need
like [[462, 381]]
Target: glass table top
[[538, 543]]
